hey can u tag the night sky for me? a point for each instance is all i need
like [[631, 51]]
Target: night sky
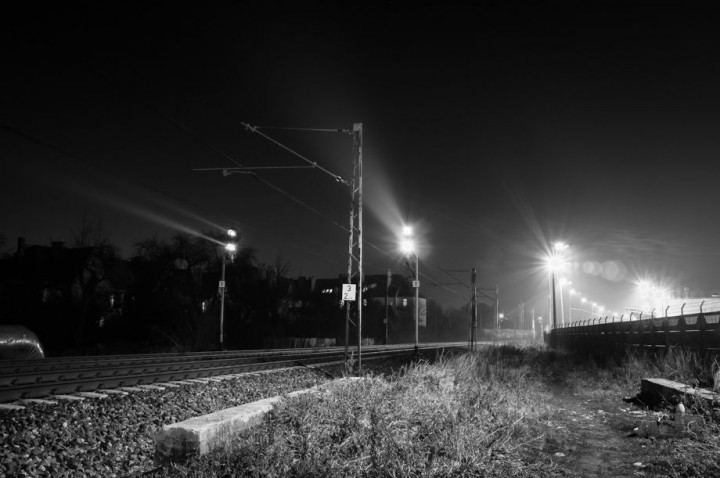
[[494, 131]]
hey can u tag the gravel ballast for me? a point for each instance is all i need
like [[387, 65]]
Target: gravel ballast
[[114, 436]]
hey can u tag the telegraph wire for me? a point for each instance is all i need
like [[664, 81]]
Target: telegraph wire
[[321, 130], [256, 129], [314, 164], [152, 188], [169, 119]]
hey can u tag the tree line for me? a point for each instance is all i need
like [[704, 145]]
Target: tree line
[[85, 299]]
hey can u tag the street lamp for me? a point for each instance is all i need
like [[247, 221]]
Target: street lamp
[[408, 248], [230, 252], [571, 293], [555, 263]]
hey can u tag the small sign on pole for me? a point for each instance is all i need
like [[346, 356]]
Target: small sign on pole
[[416, 284], [221, 284], [348, 292]]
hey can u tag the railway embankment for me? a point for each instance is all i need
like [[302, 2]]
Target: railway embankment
[[501, 412], [114, 435], [497, 412]]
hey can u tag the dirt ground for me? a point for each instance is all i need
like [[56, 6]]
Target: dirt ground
[[597, 438]]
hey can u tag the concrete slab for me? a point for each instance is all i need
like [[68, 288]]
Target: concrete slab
[[131, 389], [91, 394], [113, 391], [151, 387], [43, 401], [68, 397], [198, 436], [654, 391]]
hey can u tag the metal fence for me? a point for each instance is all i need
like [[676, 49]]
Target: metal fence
[[699, 331], [675, 309]]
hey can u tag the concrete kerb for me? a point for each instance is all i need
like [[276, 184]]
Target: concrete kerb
[[654, 391], [199, 435]]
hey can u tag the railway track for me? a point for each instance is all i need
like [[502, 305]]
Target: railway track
[[23, 379]]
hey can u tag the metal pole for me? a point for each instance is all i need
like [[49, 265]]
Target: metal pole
[[355, 241], [554, 311], [387, 293], [357, 146], [562, 307], [222, 303], [473, 323], [497, 312], [417, 302]]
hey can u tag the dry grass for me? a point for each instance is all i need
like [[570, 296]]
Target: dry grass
[[477, 414], [471, 415]]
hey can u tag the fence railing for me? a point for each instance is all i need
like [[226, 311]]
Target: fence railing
[[686, 308], [699, 331]]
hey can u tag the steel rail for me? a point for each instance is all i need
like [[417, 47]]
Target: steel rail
[[47, 383]]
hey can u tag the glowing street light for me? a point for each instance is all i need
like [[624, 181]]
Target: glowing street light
[[555, 262], [407, 246], [230, 251]]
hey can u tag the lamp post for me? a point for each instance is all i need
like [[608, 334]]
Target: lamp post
[[570, 294], [230, 251], [408, 247], [555, 262], [387, 293]]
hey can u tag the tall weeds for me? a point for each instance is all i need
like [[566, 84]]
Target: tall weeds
[[462, 416], [486, 413]]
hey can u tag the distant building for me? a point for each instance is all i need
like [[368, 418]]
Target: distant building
[[317, 305]]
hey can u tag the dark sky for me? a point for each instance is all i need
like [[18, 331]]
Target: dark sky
[[495, 131]]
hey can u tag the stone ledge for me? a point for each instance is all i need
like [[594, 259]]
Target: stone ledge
[[654, 391], [199, 435]]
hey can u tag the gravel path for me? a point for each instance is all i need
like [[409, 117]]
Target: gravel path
[[114, 436]]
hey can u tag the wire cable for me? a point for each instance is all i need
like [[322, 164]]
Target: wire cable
[[314, 164], [320, 130]]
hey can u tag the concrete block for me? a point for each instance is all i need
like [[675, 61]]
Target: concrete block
[[151, 387], [39, 400], [91, 394], [656, 390], [68, 397], [198, 436], [114, 392]]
